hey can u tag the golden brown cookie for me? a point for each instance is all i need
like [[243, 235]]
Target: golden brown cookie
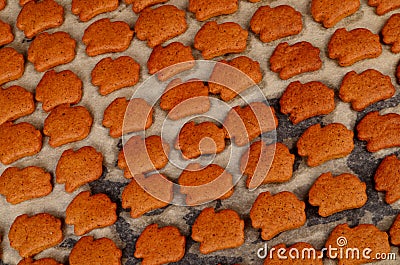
[[49, 50], [387, 178], [218, 39], [67, 124], [88, 9], [30, 235], [15, 102], [23, 2], [349, 47], [18, 141], [303, 101], [12, 65], [38, 16], [291, 60], [384, 6], [293, 255], [44, 261], [205, 9], [230, 78], [160, 24], [320, 144], [158, 246], [277, 213], [330, 12], [6, 34], [104, 36], [276, 22], [19, 185], [391, 32], [139, 5], [394, 231], [77, 168], [3, 4]]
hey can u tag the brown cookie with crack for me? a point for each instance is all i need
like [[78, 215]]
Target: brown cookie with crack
[[349, 47], [12, 65], [87, 212], [293, 255], [394, 231], [387, 178], [303, 101], [77, 168], [30, 235], [391, 33], [6, 34], [15, 102], [273, 23], [291, 60], [205, 9], [3, 4], [328, 188], [230, 78], [277, 213], [19, 185], [67, 124], [38, 16], [50, 50], [244, 124], [170, 60], [44, 261], [90, 251], [123, 116], [139, 5], [263, 164], [218, 230], [380, 131], [86, 9], [104, 36], [218, 39], [330, 12], [18, 141], [110, 75], [160, 24], [321, 144], [384, 6]]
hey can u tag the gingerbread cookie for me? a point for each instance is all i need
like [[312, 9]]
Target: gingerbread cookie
[[387, 178], [49, 50], [19, 185], [77, 168], [218, 39], [218, 230], [44, 261], [104, 36], [6, 35], [15, 102], [23, 2], [67, 124], [276, 22], [394, 231], [291, 60], [384, 6], [303, 101], [380, 131], [18, 141], [38, 16], [12, 65], [277, 213], [244, 124], [205, 9], [349, 47], [330, 12], [160, 24], [230, 78], [86, 10], [296, 254], [391, 32], [139, 5], [160, 245], [3, 4], [323, 144], [30, 235]]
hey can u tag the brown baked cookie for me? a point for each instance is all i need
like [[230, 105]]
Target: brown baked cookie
[[327, 189], [170, 60], [12, 65], [23, 2], [277, 213], [44, 261], [67, 124], [110, 75], [303, 101], [230, 78], [30, 235], [380, 131], [88, 9], [297, 254], [205, 9], [19, 185], [218, 230], [18, 141], [384, 6], [218, 39], [104, 36], [330, 12], [387, 178], [3, 4], [38, 16], [77, 168], [160, 24], [276, 22], [15, 102], [124, 116], [349, 47], [90, 251], [394, 231], [291, 60], [391, 32], [6, 34], [244, 124], [87, 212], [139, 5], [49, 50], [322, 144], [263, 164]]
